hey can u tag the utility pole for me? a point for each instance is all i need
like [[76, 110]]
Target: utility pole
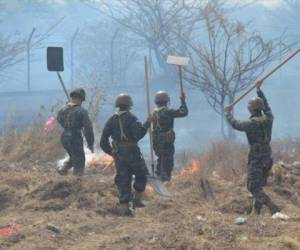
[[72, 57], [28, 60]]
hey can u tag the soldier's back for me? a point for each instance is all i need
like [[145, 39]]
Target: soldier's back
[[123, 122], [71, 116], [163, 120]]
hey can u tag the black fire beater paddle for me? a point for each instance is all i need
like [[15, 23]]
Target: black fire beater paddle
[[156, 183], [55, 62]]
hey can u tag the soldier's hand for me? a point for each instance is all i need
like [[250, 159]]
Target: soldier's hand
[[149, 118], [183, 96], [228, 109], [91, 148], [258, 84]]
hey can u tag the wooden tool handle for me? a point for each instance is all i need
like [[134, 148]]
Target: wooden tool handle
[[180, 68], [63, 85], [265, 77], [149, 111]]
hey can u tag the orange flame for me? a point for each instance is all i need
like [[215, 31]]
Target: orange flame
[[194, 168], [101, 161]]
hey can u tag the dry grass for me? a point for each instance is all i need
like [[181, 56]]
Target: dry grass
[[81, 208], [33, 144], [229, 159], [226, 158]]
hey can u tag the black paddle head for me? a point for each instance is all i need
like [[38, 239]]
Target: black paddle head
[[55, 59]]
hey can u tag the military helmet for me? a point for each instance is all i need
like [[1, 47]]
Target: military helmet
[[78, 92], [162, 97], [256, 104], [123, 100]]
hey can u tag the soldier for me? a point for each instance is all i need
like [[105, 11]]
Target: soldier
[[125, 131], [75, 120], [259, 133], [163, 133]]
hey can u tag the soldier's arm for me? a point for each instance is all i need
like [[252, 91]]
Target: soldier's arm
[[104, 141], [60, 117], [267, 110], [182, 111], [139, 130], [88, 130], [238, 125]]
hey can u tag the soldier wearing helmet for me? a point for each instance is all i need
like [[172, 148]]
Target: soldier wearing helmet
[[259, 133], [163, 133], [75, 121], [125, 131]]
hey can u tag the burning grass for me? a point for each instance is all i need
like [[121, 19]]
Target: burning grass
[[100, 161]]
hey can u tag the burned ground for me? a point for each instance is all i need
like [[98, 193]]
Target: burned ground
[[70, 213]]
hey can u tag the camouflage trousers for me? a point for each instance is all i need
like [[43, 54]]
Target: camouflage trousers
[[165, 159], [73, 144], [131, 167], [257, 174]]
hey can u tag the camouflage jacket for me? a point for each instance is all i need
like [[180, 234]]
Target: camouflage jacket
[[73, 117], [258, 130], [163, 117], [123, 126]]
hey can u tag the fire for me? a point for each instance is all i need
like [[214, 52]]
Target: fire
[[194, 168], [97, 160], [100, 161]]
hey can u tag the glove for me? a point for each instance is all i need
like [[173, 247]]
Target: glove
[[228, 109], [149, 119], [258, 85], [91, 148]]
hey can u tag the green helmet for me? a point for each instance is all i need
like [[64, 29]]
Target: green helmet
[[256, 104], [78, 92], [162, 97], [123, 100]]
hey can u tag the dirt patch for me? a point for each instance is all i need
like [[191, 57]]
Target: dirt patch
[[60, 189], [8, 197], [239, 205]]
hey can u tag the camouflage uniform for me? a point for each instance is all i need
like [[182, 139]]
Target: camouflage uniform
[[164, 137], [125, 131], [259, 132], [75, 120]]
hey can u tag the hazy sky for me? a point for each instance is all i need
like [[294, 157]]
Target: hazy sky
[[267, 3]]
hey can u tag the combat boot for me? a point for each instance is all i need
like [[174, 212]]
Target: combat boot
[[273, 208], [122, 210], [165, 177], [78, 171], [257, 207], [137, 201], [64, 169]]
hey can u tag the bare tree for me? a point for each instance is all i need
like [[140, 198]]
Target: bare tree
[[150, 21], [227, 59], [13, 47], [94, 81], [11, 51], [107, 47]]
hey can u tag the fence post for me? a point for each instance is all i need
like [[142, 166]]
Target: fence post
[[72, 57], [28, 59]]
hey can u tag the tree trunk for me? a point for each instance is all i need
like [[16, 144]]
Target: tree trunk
[[223, 125], [231, 135]]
